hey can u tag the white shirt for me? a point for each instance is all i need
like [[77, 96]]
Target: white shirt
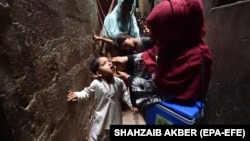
[[107, 102]]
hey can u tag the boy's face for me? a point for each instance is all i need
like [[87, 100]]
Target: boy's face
[[128, 44], [105, 67]]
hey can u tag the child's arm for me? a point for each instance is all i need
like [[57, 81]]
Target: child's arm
[[126, 98], [75, 96], [99, 38], [85, 93]]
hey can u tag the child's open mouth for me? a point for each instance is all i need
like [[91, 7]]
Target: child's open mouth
[[112, 68]]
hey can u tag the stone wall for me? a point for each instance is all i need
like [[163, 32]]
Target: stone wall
[[45, 48]]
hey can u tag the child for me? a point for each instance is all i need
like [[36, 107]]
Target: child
[[107, 89], [125, 43]]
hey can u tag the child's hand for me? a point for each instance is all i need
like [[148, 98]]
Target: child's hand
[[71, 96], [134, 109], [94, 76]]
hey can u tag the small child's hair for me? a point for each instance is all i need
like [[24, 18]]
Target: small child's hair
[[120, 40], [94, 65]]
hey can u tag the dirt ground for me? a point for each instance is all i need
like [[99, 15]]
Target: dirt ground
[[130, 118]]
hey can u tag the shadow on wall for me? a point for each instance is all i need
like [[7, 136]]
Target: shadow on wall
[[5, 130], [5, 18]]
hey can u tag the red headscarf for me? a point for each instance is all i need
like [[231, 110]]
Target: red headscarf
[[177, 58]]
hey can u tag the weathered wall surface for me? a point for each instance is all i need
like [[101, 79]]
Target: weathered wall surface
[[45, 48], [228, 35]]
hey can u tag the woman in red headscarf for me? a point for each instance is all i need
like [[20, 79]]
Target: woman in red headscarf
[[176, 65]]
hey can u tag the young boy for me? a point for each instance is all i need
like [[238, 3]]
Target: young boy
[[107, 90]]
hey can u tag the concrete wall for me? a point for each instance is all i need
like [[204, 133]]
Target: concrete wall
[[228, 36]]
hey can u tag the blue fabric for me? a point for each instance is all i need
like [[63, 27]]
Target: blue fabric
[[114, 24]]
